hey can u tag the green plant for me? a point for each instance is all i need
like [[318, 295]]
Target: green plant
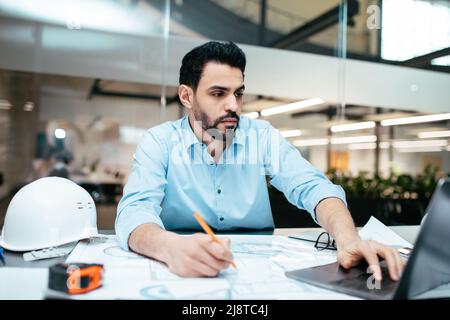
[[396, 186]]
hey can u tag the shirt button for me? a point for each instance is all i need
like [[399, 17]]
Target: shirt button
[[219, 191], [221, 219]]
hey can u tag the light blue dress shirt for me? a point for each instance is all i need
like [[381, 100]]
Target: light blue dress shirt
[[173, 175]]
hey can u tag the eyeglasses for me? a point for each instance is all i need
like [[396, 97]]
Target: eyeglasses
[[324, 242]]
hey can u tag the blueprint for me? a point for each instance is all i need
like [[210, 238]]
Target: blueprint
[[261, 263]]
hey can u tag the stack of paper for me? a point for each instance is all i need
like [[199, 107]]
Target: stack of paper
[[376, 230]]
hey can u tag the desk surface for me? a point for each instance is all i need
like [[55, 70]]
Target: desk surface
[[23, 283], [409, 233]]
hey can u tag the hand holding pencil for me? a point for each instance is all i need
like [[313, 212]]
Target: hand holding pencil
[[208, 230], [196, 255]]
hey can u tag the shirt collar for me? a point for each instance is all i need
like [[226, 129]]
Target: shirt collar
[[187, 134], [190, 138]]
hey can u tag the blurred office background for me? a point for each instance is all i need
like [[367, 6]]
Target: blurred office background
[[368, 82]]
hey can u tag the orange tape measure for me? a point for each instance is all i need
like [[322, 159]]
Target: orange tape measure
[[75, 278]]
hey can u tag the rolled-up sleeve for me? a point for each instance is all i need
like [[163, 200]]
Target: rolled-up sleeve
[[144, 190], [302, 184]]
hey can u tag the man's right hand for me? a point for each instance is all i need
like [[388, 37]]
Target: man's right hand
[[187, 256], [198, 255]]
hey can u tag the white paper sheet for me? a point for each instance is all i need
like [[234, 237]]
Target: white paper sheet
[[103, 249], [376, 230]]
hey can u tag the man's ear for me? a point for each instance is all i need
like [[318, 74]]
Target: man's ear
[[186, 95]]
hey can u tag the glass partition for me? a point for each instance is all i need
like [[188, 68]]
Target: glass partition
[[366, 85], [80, 83]]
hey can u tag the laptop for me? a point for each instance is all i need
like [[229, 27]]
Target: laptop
[[427, 269]]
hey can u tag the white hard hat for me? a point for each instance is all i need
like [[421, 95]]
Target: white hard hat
[[47, 213]]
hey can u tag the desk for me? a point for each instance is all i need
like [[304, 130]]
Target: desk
[[28, 283], [13, 259]]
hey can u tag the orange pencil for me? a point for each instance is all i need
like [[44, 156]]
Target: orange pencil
[[208, 230]]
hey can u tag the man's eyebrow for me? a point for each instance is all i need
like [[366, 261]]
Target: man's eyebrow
[[218, 87]]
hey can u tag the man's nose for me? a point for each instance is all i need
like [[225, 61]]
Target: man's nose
[[232, 104]]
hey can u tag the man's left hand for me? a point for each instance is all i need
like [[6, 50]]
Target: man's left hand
[[351, 254]]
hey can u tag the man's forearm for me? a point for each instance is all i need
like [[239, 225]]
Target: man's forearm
[[150, 240], [334, 217]]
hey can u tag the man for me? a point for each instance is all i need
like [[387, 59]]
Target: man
[[215, 162]]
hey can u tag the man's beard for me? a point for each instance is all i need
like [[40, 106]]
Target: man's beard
[[212, 126]]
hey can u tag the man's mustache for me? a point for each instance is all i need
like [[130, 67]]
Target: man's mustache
[[227, 116]]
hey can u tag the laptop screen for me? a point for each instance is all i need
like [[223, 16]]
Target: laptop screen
[[429, 264]]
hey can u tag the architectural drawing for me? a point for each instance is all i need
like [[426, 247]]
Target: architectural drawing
[[156, 292], [261, 263]]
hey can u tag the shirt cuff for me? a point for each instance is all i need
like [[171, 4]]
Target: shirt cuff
[[329, 191], [125, 226]]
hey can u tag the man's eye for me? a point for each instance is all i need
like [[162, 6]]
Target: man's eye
[[217, 94], [239, 94]]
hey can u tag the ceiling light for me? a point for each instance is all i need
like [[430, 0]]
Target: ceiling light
[[5, 105], [291, 133], [355, 139], [70, 14], [426, 149], [292, 106], [311, 142], [353, 126], [434, 134], [60, 133], [416, 119], [419, 144], [29, 106]]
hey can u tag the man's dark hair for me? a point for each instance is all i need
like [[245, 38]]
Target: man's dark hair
[[221, 52]]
